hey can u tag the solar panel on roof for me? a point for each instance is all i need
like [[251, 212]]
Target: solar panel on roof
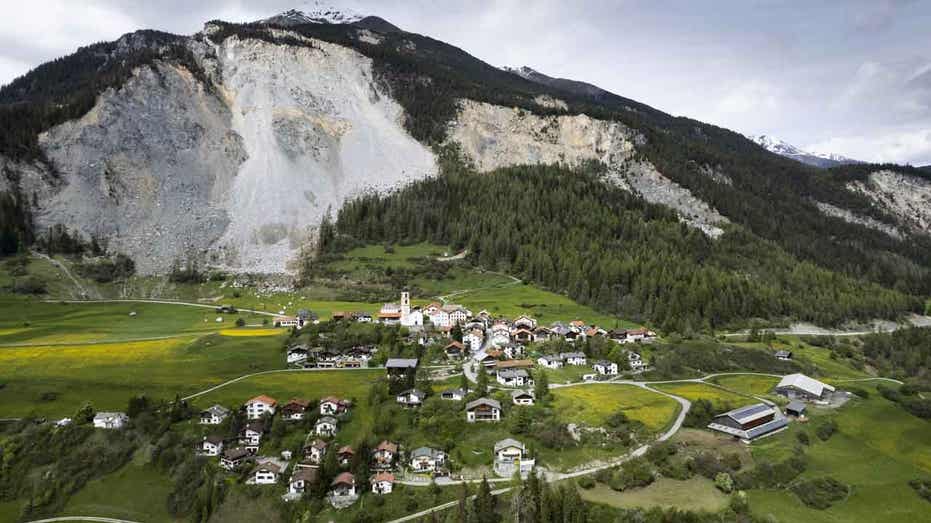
[[766, 428]]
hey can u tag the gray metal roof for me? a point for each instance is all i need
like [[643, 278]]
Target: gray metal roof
[[401, 363], [766, 428], [509, 442], [482, 401], [749, 413], [796, 406]]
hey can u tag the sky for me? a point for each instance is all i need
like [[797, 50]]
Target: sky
[[848, 77]]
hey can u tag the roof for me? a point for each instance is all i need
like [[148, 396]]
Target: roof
[[346, 450], [551, 358], [319, 443], [413, 392], [519, 393], [423, 452], [235, 453], [327, 419], [301, 402], [214, 438], [749, 413], [455, 344], [804, 383], [510, 364], [263, 399], [383, 476], [604, 363], [513, 373], [567, 355], [509, 442], [460, 391], [269, 465], [333, 399], [401, 363], [218, 410], [482, 401], [767, 427], [388, 446], [796, 406], [389, 314], [344, 478], [308, 474], [108, 415]]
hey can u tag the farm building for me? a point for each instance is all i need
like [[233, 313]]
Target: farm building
[[110, 420], [750, 422], [801, 387], [796, 408]]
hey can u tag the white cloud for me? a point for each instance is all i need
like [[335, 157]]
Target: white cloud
[[890, 145]]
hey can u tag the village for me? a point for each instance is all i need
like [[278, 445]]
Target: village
[[499, 362]]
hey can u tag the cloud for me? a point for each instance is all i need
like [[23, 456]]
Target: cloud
[[889, 145]]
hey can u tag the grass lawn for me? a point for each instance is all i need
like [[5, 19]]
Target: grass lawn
[[310, 385], [135, 492], [697, 493], [879, 447], [804, 353], [720, 398], [357, 259], [748, 383], [55, 380], [567, 374], [592, 404]]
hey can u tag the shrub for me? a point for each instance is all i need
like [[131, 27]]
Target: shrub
[[922, 487], [29, 285], [820, 493], [803, 438], [240, 322], [826, 429], [724, 482], [586, 482], [634, 473]]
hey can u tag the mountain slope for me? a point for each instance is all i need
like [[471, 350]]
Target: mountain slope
[[788, 150]]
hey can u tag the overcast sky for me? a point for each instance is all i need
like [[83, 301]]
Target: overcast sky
[[849, 77]]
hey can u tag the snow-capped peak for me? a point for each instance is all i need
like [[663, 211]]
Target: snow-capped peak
[[315, 12], [522, 71], [783, 148]]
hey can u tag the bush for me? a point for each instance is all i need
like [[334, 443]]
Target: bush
[[634, 473], [724, 482], [820, 493], [29, 285], [771, 475], [803, 438], [922, 487], [586, 482], [240, 322], [826, 429]]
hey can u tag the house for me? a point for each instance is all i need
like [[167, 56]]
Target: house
[[635, 361], [326, 426], [513, 350], [514, 378], [457, 314], [574, 335], [750, 422], [382, 483], [801, 387], [606, 368], [287, 321], [594, 331], [259, 406], [233, 458], [363, 317], [432, 309], [573, 358], [344, 456], [641, 334], [524, 322], [214, 415], [302, 478], [297, 354], [110, 420], [483, 409], [267, 471], [401, 366], [411, 398], [306, 316], [542, 334], [550, 362], [523, 336], [486, 358], [390, 314], [617, 335], [500, 333], [510, 456], [343, 486], [796, 408], [427, 460], [514, 364], [522, 397], [384, 455], [316, 451], [251, 435], [295, 409], [454, 350], [454, 394], [784, 355], [473, 340], [333, 406], [212, 445]]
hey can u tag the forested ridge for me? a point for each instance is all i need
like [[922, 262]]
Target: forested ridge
[[573, 232]]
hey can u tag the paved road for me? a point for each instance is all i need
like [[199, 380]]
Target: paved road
[[275, 371]]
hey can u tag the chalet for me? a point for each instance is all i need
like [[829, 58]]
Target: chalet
[[514, 378], [483, 409], [486, 358], [523, 336], [510, 457], [574, 335], [302, 478], [326, 426], [617, 335], [297, 354], [214, 415], [522, 397], [410, 398], [333, 406], [635, 361], [390, 314], [233, 458], [542, 334], [801, 387], [455, 350], [750, 422], [513, 351], [382, 483], [288, 322], [514, 364], [500, 333], [641, 334], [550, 362], [454, 394], [573, 358], [260, 406], [344, 456], [343, 486], [427, 460], [784, 355], [251, 435], [558, 330], [110, 420], [316, 451], [267, 471], [796, 408], [524, 322], [479, 324], [594, 331], [384, 455], [211, 446], [473, 339], [396, 367], [363, 317], [606, 368], [295, 409]]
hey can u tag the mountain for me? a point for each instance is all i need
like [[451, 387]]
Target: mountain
[[317, 12], [230, 147], [823, 160]]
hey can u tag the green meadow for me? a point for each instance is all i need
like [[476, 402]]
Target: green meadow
[[592, 404]]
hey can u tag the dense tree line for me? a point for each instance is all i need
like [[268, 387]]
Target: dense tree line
[[905, 353], [15, 224], [572, 232]]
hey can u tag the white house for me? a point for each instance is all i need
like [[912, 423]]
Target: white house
[[382, 483], [514, 378], [513, 351], [333, 406], [316, 451], [410, 398], [604, 367], [522, 397], [212, 445], [510, 457], [427, 460], [267, 471], [214, 415], [550, 362], [110, 420], [326, 426], [343, 486], [297, 355], [483, 409], [473, 340], [384, 455], [454, 394], [573, 358], [288, 321], [251, 435], [259, 406], [302, 478], [635, 361], [500, 333], [524, 322]]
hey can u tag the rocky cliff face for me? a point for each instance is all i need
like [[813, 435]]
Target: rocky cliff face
[[906, 197]]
